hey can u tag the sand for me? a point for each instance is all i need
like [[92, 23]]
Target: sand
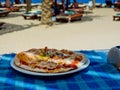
[[95, 31]]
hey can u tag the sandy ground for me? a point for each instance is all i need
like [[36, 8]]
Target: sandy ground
[[95, 31]]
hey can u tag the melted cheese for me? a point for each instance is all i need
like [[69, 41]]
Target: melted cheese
[[68, 61]]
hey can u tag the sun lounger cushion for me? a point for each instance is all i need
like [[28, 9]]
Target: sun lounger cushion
[[4, 11], [31, 14], [35, 12], [69, 16], [69, 12]]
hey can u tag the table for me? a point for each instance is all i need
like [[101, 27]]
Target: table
[[99, 75]]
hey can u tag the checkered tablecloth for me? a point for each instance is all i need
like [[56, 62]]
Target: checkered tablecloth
[[97, 76]]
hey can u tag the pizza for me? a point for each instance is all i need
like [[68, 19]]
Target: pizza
[[48, 60]]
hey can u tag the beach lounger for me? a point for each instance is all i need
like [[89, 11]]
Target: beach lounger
[[4, 12], [31, 15], [116, 17], [14, 9], [69, 17], [39, 16], [76, 7]]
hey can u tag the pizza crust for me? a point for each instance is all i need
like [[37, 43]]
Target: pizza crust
[[17, 63]]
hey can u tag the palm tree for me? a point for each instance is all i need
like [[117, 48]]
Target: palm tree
[[46, 17]]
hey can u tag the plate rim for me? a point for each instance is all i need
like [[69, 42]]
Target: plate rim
[[85, 65]]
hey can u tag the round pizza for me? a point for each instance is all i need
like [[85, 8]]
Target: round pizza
[[47, 60]]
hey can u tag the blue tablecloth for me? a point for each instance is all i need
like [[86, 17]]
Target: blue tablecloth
[[97, 76]]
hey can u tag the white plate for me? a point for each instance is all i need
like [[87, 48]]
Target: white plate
[[83, 66]]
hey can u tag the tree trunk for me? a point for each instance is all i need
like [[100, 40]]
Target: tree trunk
[[93, 4], [8, 3], [46, 17], [28, 2]]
